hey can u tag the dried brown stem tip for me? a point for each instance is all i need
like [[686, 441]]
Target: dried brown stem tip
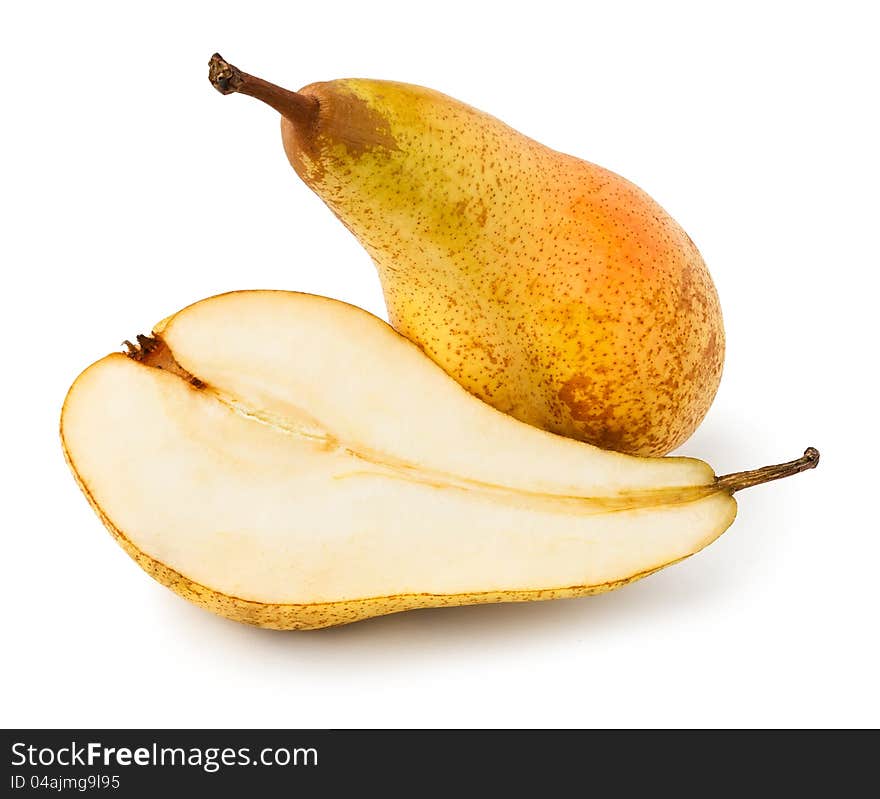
[[227, 79], [224, 77], [740, 480]]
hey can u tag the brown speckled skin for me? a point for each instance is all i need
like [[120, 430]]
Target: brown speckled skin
[[549, 287]]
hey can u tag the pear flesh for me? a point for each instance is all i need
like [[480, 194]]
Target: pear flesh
[[290, 461]]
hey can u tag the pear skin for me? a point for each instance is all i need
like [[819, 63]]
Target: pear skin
[[551, 288]]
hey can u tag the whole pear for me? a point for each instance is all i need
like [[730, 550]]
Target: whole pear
[[547, 286]]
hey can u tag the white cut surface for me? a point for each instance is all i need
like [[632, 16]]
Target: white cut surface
[[328, 459]]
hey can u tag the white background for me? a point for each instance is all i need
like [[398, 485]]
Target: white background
[[130, 189]]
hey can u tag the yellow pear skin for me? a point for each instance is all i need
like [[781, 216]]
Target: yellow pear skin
[[551, 288]]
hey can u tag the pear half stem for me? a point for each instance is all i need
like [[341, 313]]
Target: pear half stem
[[228, 79], [740, 480]]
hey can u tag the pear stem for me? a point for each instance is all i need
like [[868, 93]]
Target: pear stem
[[740, 480], [227, 79]]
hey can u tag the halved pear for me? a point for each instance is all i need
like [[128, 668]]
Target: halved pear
[[290, 461]]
